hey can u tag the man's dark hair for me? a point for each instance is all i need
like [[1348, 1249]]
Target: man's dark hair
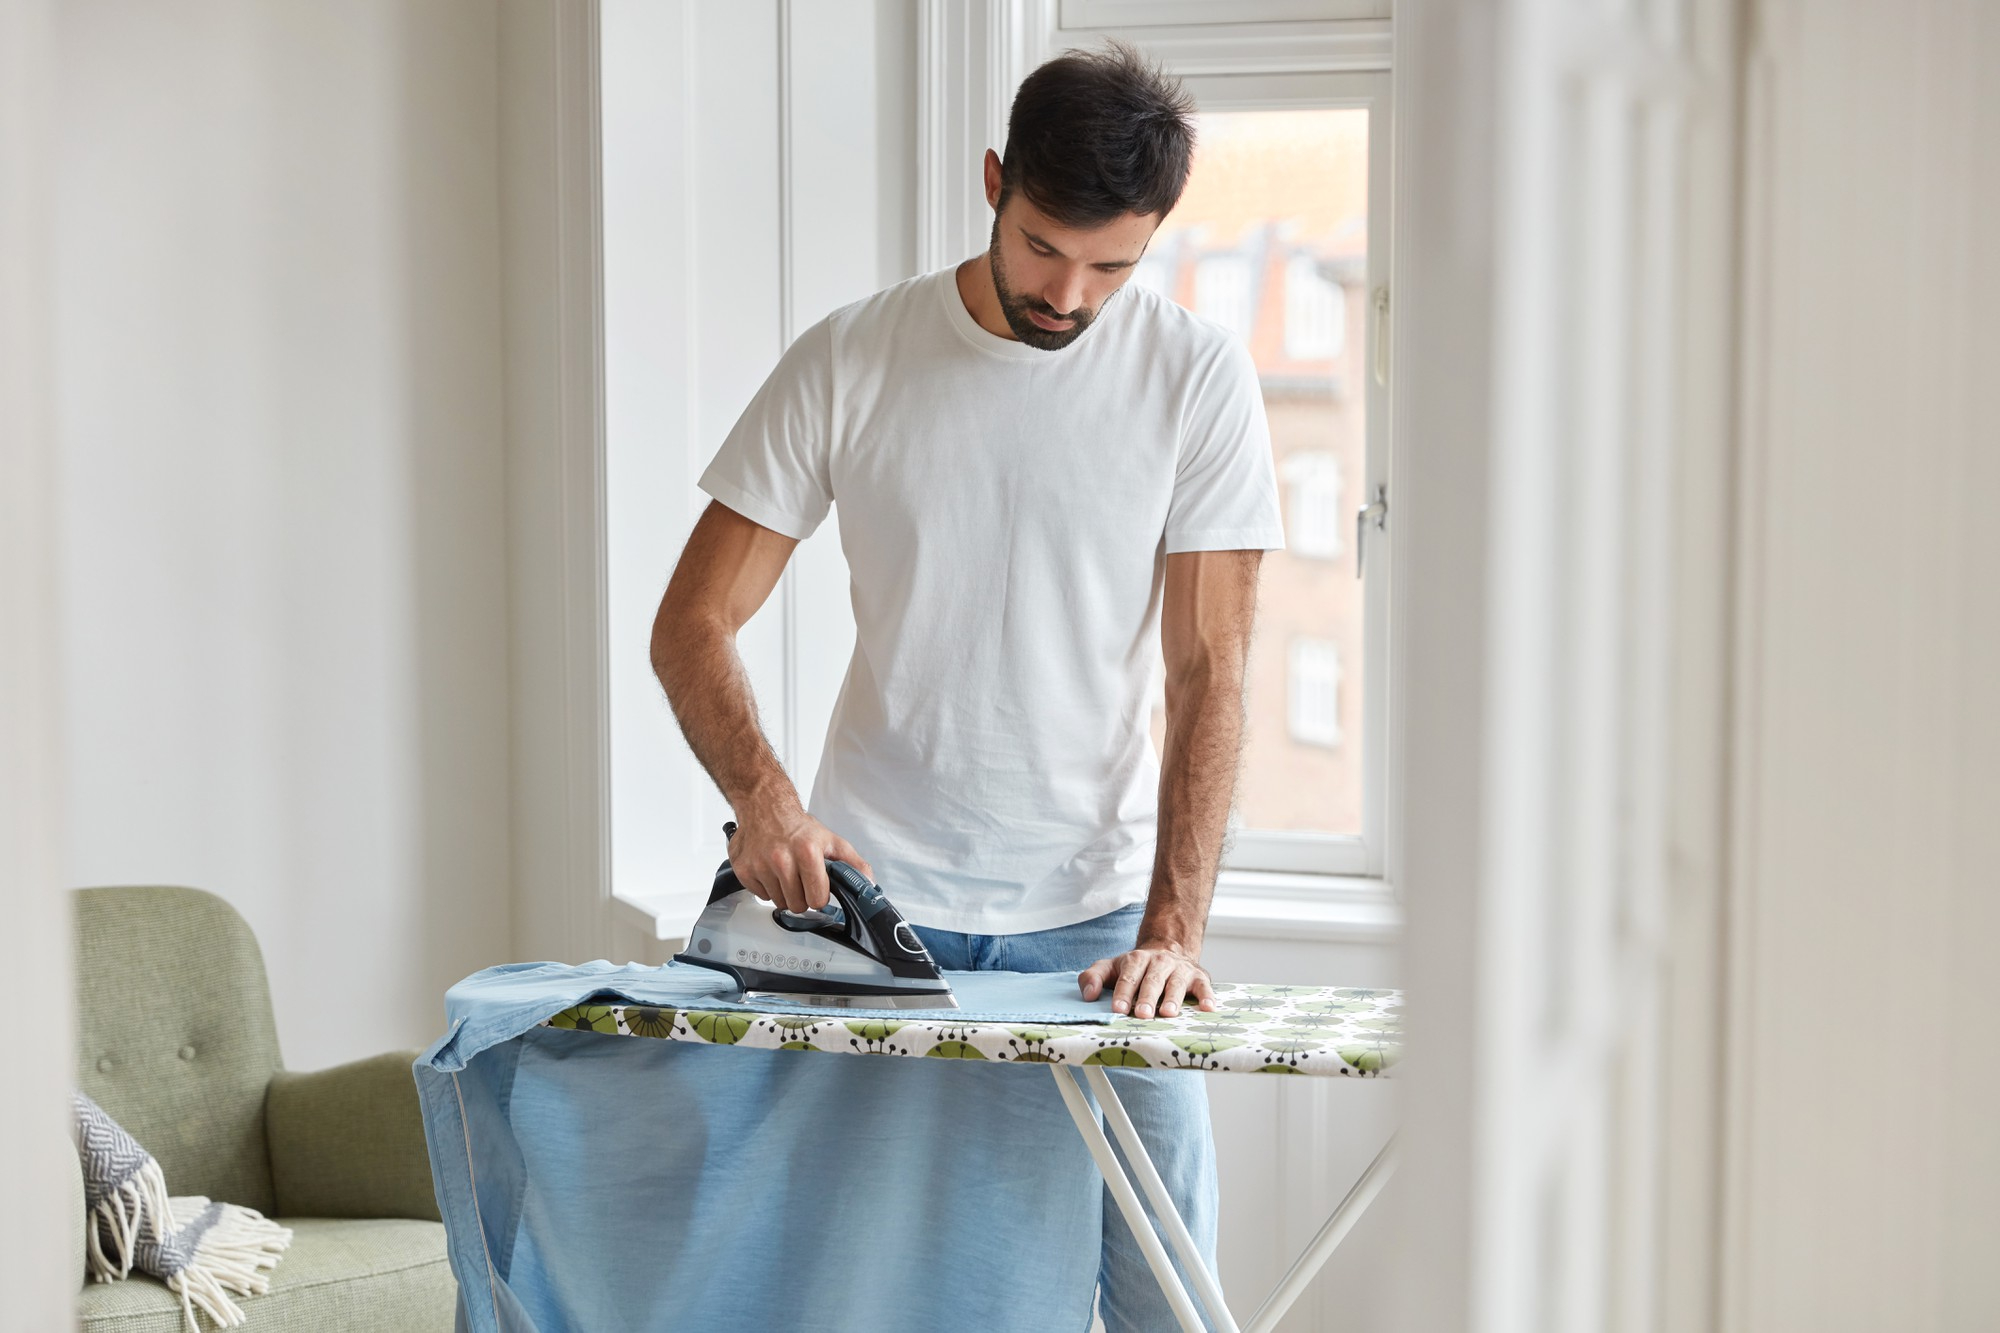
[[1097, 134]]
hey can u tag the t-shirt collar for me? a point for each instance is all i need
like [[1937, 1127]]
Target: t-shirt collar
[[980, 337]]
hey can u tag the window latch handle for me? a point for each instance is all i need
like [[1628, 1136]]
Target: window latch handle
[[1381, 348], [1377, 511]]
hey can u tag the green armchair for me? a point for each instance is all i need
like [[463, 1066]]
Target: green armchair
[[177, 1042]]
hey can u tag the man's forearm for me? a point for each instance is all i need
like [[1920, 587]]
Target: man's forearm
[[1197, 787], [710, 694]]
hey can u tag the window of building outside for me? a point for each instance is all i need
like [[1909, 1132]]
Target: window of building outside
[[1270, 239], [1314, 685], [1311, 484], [1315, 311], [1222, 292]]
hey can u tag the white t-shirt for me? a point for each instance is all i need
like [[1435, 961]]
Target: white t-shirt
[[1006, 514]]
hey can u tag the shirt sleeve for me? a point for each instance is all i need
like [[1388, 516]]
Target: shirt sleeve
[[1226, 487], [773, 468]]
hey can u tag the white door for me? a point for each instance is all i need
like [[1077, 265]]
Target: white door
[[1560, 174]]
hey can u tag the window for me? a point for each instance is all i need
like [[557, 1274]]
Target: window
[[1155, 273], [1314, 692], [1223, 292], [1281, 235], [1312, 508], [1315, 311]]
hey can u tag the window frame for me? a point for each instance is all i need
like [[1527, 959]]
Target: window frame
[[1363, 854]]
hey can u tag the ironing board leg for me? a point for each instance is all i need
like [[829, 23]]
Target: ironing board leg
[[1128, 1200], [1316, 1254], [1141, 1164]]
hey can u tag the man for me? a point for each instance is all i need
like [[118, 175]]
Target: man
[[1035, 466]]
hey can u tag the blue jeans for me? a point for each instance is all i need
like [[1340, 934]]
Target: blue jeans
[[1169, 1108]]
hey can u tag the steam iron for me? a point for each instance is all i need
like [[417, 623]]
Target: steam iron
[[855, 953]]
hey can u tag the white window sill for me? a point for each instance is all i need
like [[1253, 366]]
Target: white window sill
[[1268, 904], [1249, 904]]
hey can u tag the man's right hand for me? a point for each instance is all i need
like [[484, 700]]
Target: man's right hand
[[782, 858]]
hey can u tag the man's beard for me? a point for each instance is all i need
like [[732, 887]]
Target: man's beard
[[1014, 307]]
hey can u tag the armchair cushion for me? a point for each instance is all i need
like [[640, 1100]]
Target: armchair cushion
[[349, 1141], [387, 1276]]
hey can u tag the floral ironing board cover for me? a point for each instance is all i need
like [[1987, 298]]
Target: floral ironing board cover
[[1255, 1029]]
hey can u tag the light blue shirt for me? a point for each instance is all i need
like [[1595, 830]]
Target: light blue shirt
[[600, 1183]]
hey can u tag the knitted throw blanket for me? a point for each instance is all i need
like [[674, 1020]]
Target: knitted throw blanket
[[201, 1250]]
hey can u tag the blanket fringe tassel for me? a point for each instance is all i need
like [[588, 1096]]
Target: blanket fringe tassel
[[232, 1257], [125, 1213]]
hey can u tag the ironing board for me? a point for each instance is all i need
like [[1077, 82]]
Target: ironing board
[[1255, 1029]]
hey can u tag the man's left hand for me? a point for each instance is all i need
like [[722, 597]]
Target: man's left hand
[[1153, 978]]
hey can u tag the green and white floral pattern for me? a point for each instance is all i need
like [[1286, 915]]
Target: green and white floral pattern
[[1253, 1030]]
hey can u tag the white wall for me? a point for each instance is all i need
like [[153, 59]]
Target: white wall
[[40, 1261], [1862, 1188], [284, 584]]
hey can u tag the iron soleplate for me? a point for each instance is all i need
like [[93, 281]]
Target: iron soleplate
[[819, 1000]]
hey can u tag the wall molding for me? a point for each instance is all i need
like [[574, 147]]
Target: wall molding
[[788, 588], [553, 287], [1690, 1240], [1564, 262], [971, 55], [580, 257], [1322, 47]]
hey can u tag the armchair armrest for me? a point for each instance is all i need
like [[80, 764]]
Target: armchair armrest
[[349, 1141]]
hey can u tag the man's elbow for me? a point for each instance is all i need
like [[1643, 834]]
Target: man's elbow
[[1215, 671], [683, 629]]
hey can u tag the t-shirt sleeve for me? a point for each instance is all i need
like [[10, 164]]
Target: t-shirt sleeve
[[773, 468], [1226, 487]]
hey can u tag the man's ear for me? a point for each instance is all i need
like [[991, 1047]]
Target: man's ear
[[992, 179]]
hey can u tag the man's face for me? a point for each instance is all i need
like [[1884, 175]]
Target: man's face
[[1052, 280]]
